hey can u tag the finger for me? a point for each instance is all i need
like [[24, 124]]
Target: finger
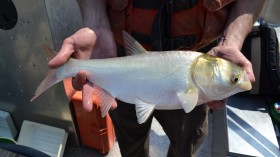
[[212, 104], [249, 71], [219, 104], [79, 81], [212, 52], [238, 59], [64, 54], [114, 105], [251, 76], [87, 97]]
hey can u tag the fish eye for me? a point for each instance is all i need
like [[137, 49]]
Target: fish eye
[[234, 79]]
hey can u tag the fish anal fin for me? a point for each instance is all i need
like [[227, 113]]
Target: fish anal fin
[[188, 99], [104, 100], [143, 110], [132, 47]]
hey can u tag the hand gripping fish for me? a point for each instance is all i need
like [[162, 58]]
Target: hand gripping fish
[[165, 80]]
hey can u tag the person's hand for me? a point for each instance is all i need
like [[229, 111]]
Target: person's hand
[[85, 44], [230, 52]]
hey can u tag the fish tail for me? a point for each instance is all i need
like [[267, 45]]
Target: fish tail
[[50, 80]]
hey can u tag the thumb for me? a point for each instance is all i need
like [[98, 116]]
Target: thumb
[[63, 55], [218, 104], [87, 97], [248, 67]]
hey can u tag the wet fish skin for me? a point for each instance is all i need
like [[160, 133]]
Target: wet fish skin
[[155, 80]]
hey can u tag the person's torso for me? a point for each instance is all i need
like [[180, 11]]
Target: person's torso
[[199, 21]]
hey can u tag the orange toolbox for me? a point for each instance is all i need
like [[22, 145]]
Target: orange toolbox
[[95, 131]]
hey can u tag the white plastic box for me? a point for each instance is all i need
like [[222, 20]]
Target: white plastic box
[[47, 139], [7, 127]]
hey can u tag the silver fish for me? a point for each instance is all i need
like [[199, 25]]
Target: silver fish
[[155, 80]]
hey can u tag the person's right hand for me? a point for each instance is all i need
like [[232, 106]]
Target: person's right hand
[[85, 44], [229, 51]]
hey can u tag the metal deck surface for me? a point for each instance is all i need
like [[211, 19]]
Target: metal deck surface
[[159, 143], [257, 138], [250, 129]]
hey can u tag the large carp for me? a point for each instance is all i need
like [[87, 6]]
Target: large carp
[[155, 80]]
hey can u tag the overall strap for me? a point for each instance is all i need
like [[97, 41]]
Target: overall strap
[[161, 39], [172, 6]]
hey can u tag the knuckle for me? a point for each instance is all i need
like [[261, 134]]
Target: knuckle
[[77, 85], [68, 41]]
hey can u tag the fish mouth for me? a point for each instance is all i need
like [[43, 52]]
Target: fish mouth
[[245, 85]]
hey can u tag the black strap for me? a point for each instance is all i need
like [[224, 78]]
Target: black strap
[[161, 31], [158, 30], [266, 68], [270, 46], [141, 38], [179, 42], [147, 4], [172, 6]]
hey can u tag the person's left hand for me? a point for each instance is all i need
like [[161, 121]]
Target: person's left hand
[[231, 53], [86, 43]]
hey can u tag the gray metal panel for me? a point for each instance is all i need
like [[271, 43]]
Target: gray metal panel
[[215, 143], [250, 129], [23, 64], [270, 11], [64, 18]]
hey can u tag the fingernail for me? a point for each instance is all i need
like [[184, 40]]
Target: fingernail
[[87, 106]]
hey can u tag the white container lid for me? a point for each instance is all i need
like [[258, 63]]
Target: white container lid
[[7, 127], [47, 139]]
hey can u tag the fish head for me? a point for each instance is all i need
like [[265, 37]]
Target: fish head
[[219, 78]]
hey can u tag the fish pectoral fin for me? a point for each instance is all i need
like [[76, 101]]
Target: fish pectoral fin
[[143, 110], [104, 100], [188, 99]]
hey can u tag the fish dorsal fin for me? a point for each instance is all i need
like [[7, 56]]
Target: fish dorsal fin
[[104, 100], [188, 99], [143, 110], [131, 46]]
